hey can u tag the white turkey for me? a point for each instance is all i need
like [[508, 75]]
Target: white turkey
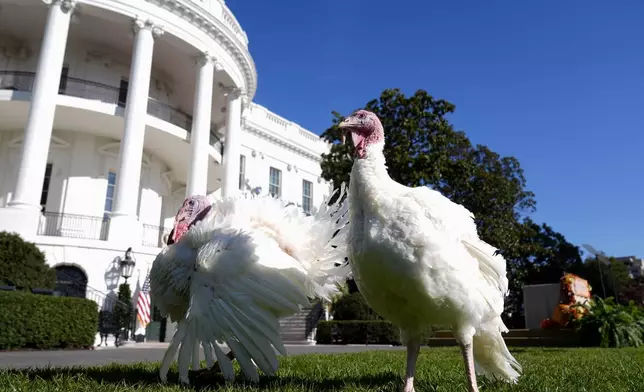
[[418, 261], [233, 267]]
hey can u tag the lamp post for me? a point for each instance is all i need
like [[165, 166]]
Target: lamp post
[[127, 264], [124, 308]]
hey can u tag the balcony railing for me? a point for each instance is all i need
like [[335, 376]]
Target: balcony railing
[[80, 88], [154, 235], [57, 224]]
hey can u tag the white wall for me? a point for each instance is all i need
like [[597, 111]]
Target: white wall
[[268, 154], [81, 163], [99, 263]]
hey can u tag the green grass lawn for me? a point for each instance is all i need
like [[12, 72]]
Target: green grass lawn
[[439, 369]]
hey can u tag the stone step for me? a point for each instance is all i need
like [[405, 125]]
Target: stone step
[[297, 318], [287, 325], [294, 321], [293, 332], [303, 326], [293, 337]]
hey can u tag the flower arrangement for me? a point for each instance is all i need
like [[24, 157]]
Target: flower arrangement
[[575, 291]]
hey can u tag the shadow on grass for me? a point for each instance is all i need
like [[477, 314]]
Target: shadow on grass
[[150, 377]]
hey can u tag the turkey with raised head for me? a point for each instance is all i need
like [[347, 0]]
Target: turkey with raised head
[[418, 261], [234, 267]]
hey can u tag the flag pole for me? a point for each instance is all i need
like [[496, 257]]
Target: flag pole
[[143, 306]]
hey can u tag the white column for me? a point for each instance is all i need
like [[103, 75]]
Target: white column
[[128, 176], [40, 121], [23, 214], [232, 144], [197, 183]]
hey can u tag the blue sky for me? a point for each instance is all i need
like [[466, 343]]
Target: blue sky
[[558, 84]]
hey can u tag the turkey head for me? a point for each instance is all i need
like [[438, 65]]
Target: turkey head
[[193, 210], [365, 128]]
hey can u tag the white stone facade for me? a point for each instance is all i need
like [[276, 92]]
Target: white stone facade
[[113, 111]]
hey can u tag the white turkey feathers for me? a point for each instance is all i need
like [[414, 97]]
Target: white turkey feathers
[[234, 273], [419, 262]]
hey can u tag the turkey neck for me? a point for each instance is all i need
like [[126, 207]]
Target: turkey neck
[[369, 181]]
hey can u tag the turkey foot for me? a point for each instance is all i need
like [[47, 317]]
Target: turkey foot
[[214, 370]]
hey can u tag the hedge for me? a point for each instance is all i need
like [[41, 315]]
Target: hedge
[[353, 307], [362, 332], [45, 322], [357, 332]]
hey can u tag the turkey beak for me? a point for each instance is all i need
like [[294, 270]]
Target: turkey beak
[[346, 125]]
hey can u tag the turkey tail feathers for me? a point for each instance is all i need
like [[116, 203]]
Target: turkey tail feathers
[[327, 231], [492, 358], [318, 241], [493, 268]]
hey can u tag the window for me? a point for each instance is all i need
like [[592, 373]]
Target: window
[[275, 182], [242, 172], [45, 186], [109, 195], [123, 92], [63, 79], [307, 196]]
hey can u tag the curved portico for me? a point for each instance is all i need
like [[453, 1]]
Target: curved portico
[[22, 214], [113, 111]]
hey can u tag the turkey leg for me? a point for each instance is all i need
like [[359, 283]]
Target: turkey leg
[[468, 357], [413, 348]]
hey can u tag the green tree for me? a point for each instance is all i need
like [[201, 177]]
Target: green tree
[[23, 265], [423, 149], [123, 308], [614, 277], [633, 291]]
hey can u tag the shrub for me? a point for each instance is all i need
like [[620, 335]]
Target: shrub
[[608, 324], [357, 332], [362, 332], [23, 265], [123, 308], [353, 307], [45, 322]]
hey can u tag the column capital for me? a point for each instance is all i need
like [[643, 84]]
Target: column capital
[[206, 58], [65, 5], [140, 23], [233, 92]]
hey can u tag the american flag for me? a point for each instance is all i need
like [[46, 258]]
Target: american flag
[[143, 303]]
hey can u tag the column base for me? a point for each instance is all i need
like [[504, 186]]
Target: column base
[[125, 230], [21, 220]]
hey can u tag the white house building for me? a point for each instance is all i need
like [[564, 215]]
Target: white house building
[[113, 111]]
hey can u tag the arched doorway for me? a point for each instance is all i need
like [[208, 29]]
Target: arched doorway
[[71, 281]]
